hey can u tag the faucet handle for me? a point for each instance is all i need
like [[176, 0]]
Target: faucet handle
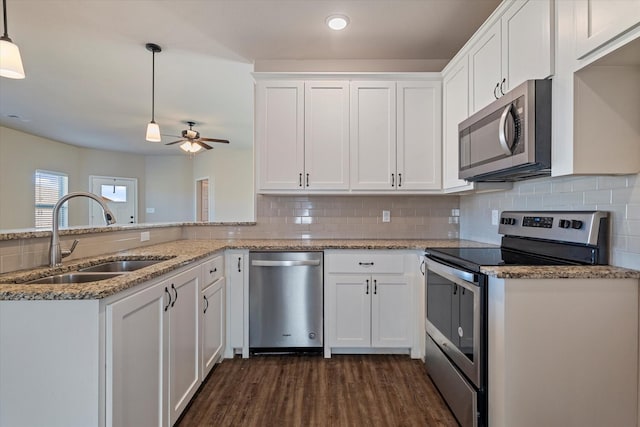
[[67, 252]]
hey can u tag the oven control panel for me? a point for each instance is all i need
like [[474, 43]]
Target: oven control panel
[[570, 226]]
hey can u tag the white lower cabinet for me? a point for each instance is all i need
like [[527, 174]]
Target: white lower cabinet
[[237, 300], [367, 310], [153, 354], [212, 325]]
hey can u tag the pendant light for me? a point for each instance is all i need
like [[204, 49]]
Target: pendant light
[[153, 130], [10, 60]]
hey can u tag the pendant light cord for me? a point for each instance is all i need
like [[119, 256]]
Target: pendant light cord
[[4, 15], [153, 86]]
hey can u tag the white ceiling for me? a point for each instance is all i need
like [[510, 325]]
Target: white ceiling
[[89, 75]]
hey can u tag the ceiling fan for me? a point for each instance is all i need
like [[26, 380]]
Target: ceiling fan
[[192, 142]]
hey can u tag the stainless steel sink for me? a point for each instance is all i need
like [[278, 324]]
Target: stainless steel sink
[[121, 266], [76, 277]]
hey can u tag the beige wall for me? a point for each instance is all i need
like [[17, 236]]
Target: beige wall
[[170, 195], [230, 174]]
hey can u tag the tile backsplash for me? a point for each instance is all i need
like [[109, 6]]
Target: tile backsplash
[[345, 217], [619, 195]]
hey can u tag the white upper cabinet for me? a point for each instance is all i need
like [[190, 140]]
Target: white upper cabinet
[[373, 135], [326, 135], [527, 42], [419, 136], [516, 48], [484, 66], [599, 21], [455, 96], [279, 134]]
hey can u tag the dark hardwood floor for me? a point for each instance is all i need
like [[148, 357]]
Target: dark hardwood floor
[[308, 390]]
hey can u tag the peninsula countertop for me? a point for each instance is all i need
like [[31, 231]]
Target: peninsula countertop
[[180, 253]]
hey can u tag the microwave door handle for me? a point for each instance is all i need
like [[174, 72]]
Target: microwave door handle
[[502, 134]]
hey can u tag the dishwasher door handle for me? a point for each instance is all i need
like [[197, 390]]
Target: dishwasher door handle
[[285, 263]]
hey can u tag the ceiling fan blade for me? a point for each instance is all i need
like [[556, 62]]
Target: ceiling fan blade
[[224, 141], [172, 136], [202, 144], [175, 142]]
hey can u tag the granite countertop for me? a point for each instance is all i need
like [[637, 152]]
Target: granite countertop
[[174, 255], [180, 253]]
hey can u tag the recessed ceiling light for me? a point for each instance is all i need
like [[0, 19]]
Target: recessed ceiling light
[[337, 22]]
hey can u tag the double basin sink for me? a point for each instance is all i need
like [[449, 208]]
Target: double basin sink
[[95, 273]]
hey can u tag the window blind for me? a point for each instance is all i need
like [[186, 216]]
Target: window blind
[[49, 187]]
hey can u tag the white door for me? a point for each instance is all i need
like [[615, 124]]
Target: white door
[[212, 325], [527, 44], [137, 336], [280, 135], [122, 199], [391, 319], [373, 135], [349, 310], [184, 372], [485, 69], [326, 135], [419, 141]]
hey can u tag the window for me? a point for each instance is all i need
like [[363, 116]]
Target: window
[[50, 186]]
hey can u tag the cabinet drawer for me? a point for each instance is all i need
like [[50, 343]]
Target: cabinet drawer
[[364, 262], [212, 270]]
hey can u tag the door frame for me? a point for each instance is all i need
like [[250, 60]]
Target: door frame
[[133, 181]]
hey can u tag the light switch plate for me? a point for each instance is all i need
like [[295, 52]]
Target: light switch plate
[[144, 236], [386, 216], [151, 210]]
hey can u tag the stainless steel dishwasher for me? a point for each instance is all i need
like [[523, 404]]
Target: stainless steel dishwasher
[[285, 301]]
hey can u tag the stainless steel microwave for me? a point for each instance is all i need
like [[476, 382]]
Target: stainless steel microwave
[[510, 139]]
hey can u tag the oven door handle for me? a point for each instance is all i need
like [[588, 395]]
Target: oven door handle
[[442, 267]]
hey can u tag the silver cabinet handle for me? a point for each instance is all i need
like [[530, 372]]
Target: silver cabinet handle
[[504, 80], [285, 263], [239, 261], [300, 180], [365, 264], [399, 180], [375, 287], [367, 291], [213, 271], [502, 133], [495, 95], [393, 180], [206, 306], [307, 180]]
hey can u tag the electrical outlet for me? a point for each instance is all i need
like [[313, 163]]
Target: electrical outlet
[[144, 236], [386, 216], [151, 210], [495, 217]]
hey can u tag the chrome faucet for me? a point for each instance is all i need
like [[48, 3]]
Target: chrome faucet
[[55, 252]]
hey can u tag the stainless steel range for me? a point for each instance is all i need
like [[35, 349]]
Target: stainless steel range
[[456, 295]]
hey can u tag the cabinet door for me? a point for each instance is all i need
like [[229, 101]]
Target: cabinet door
[[212, 326], [184, 352], [137, 337], [485, 69], [326, 135], [349, 305], [455, 108], [280, 134], [599, 21], [419, 140], [527, 49], [373, 135], [391, 324], [235, 277]]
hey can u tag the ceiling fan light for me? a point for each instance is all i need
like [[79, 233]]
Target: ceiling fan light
[[337, 22], [190, 147], [10, 60], [153, 132]]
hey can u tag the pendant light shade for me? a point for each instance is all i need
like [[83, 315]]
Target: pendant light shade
[[153, 130], [10, 60]]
